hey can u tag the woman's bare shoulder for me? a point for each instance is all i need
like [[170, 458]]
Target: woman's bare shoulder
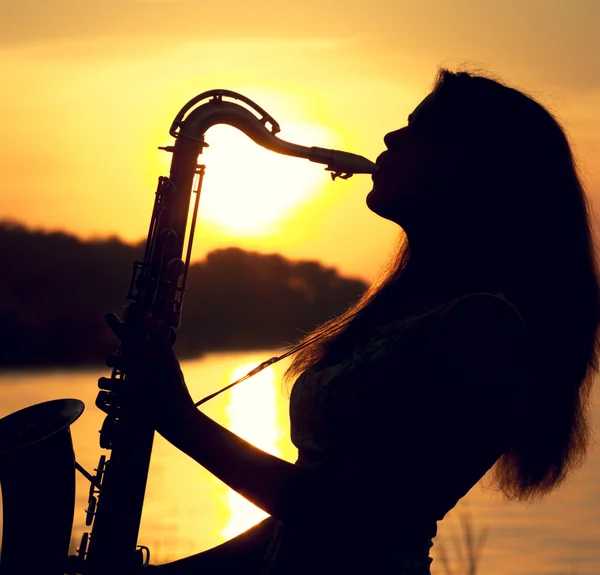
[[481, 337], [483, 310]]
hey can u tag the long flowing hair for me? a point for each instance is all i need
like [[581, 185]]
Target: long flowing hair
[[519, 221]]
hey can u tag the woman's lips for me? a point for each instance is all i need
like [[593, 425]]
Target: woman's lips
[[380, 158], [382, 162]]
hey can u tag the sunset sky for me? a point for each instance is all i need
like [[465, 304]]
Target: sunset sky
[[90, 88]]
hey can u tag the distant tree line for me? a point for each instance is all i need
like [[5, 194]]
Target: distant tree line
[[55, 290]]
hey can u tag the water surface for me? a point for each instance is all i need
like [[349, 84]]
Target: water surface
[[187, 510]]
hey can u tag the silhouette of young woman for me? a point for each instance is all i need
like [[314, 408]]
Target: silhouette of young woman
[[475, 352]]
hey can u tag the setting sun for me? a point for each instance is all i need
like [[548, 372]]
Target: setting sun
[[248, 189]]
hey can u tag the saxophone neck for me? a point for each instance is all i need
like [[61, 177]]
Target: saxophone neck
[[210, 108], [215, 97]]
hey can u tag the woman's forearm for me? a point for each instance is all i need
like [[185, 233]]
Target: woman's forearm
[[242, 554], [272, 484]]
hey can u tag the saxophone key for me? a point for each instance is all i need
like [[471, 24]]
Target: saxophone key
[[100, 471], [107, 384], [91, 510], [107, 432], [106, 401]]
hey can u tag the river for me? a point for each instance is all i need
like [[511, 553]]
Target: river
[[187, 510]]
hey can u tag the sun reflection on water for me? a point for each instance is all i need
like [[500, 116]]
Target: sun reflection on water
[[185, 507], [251, 414]]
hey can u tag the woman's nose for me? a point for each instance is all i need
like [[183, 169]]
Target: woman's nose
[[394, 139]]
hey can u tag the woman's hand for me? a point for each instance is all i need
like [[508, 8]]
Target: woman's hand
[[156, 389], [154, 385]]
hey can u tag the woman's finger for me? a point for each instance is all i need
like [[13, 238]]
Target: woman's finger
[[116, 325], [117, 361], [154, 330], [139, 328]]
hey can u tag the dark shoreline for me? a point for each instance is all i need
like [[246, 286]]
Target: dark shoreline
[[55, 294]]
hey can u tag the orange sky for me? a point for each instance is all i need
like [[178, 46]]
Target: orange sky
[[90, 90]]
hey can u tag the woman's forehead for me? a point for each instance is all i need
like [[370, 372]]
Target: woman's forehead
[[425, 104]]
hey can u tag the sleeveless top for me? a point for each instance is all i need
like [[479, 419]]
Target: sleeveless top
[[375, 424]]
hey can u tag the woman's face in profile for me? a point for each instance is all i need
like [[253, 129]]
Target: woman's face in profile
[[413, 169]]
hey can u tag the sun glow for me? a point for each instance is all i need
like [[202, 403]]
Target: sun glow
[[248, 190], [252, 414]]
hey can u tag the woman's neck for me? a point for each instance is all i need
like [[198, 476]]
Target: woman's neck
[[426, 284]]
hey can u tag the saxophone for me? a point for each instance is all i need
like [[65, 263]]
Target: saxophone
[[157, 286]]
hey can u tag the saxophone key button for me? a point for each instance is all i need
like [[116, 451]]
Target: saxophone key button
[[82, 549], [107, 383], [100, 470], [106, 401], [91, 510], [175, 268], [107, 432]]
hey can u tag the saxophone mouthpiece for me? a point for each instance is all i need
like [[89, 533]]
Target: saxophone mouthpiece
[[342, 164]]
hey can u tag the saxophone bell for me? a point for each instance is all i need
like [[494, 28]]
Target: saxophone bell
[[37, 477]]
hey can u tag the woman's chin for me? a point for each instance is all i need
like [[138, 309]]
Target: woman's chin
[[369, 199], [377, 203]]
